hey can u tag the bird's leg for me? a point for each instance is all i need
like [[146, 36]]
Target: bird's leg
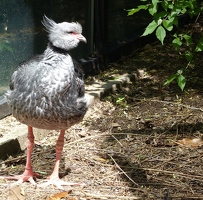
[[28, 174], [59, 149], [54, 177]]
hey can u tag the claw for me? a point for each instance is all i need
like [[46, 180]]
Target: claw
[[28, 175]]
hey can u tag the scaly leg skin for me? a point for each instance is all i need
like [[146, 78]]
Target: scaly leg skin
[[28, 174], [54, 179]]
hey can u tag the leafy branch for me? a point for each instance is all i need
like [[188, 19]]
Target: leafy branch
[[165, 17]]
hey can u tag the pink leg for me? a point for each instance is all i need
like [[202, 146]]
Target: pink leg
[[28, 174], [59, 149], [54, 177]]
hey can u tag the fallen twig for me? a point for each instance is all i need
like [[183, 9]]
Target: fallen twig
[[98, 135], [102, 196], [178, 104], [122, 170], [177, 173]]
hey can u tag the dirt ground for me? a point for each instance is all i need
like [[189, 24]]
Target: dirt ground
[[134, 143]]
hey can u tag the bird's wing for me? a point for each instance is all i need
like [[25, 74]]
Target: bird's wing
[[34, 78]]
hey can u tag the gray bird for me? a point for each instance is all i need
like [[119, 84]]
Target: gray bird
[[47, 92]]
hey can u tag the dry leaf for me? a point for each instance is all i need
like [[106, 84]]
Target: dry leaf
[[115, 125], [101, 159], [194, 143], [58, 196], [16, 193]]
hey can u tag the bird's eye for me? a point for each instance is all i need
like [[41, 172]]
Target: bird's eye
[[70, 32]]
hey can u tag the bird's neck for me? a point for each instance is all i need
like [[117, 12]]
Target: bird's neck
[[57, 49]]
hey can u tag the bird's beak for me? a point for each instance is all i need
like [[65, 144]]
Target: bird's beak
[[81, 38]]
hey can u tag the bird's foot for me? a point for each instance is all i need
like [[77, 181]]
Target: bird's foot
[[58, 183], [28, 175]]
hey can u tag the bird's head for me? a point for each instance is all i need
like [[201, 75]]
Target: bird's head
[[64, 35]]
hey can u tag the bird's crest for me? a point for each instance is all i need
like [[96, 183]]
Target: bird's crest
[[48, 23], [63, 35]]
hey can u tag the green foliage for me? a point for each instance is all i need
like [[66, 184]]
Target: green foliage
[[199, 46], [121, 101], [150, 28], [181, 80], [5, 45], [165, 15], [160, 33], [134, 10]]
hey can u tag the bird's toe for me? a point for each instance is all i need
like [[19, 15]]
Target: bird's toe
[[58, 183], [20, 179]]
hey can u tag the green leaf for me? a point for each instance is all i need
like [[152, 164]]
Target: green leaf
[[170, 79], [199, 46], [181, 81], [120, 99], [153, 9], [161, 33], [188, 56], [135, 10], [177, 42], [160, 15], [188, 39], [132, 11], [175, 21], [165, 4], [168, 25], [155, 2], [150, 28]]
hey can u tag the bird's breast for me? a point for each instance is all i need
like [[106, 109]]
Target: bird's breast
[[46, 94]]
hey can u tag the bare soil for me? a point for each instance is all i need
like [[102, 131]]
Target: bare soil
[[127, 145]]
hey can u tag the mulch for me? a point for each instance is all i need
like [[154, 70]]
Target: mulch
[[130, 143]]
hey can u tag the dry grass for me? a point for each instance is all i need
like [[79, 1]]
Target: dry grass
[[115, 164], [126, 147]]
